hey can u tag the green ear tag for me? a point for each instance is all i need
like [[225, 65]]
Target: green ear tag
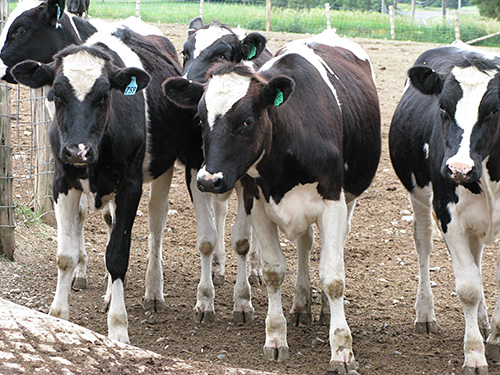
[[279, 98], [252, 53], [131, 88]]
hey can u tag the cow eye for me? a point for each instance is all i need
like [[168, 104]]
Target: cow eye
[[20, 31], [247, 125]]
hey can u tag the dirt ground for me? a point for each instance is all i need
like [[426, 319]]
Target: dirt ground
[[380, 262]]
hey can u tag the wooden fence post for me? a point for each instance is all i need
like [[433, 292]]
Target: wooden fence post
[[393, 23], [457, 25], [327, 12], [201, 8], [43, 156], [413, 5], [138, 8], [268, 15]]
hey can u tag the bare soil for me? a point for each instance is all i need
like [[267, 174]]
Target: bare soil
[[380, 262]]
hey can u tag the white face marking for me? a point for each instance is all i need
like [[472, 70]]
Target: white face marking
[[204, 175], [222, 92], [134, 23], [474, 85], [205, 38], [82, 70]]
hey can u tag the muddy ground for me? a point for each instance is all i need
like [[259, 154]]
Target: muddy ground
[[380, 262]]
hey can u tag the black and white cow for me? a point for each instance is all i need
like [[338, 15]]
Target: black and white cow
[[38, 30], [79, 7], [445, 147], [303, 136], [105, 144]]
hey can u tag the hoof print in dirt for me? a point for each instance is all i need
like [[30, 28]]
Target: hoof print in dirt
[[242, 317], [426, 327], [280, 354], [341, 368]]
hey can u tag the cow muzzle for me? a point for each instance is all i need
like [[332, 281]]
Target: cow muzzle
[[460, 172], [77, 154], [211, 182]]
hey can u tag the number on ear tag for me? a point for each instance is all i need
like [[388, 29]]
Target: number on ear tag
[[131, 89]]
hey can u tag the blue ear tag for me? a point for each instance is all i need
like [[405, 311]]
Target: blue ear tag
[[58, 16], [131, 89], [279, 98]]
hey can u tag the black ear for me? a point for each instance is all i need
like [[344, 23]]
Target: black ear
[[426, 80], [55, 10], [278, 90], [129, 80], [195, 24], [33, 74], [182, 92], [252, 46]]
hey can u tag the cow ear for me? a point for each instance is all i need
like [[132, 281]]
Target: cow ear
[[277, 90], [195, 24], [426, 80], [182, 92], [33, 74], [253, 45], [55, 10], [129, 80]]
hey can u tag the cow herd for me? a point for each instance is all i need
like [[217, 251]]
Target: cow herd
[[295, 134]]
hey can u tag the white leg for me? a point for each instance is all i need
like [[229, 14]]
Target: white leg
[[493, 342], [117, 315], [469, 290], [240, 239], [254, 269], [301, 308], [420, 199], [157, 220], [109, 216], [80, 273], [220, 205], [333, 227], [274, 270], [207, 238], [476, 247], [69, 239]]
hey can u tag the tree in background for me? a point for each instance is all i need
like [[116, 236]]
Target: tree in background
[[488, 8]]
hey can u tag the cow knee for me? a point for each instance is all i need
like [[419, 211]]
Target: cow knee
[[242, 247], [66, 262], [334, 288], [274, 276], [469, 294], [206, 247]]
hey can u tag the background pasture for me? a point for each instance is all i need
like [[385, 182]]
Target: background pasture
[[381, 271]]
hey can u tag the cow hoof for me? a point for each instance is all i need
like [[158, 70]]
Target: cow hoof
[[468, 370], [426, 327], [218, 280], [341, 368], [277, 354], [241, 317], [299, 318], [256, 279], [59, 313], [492, 352], [204, 316], [324, 319], [154, 305], [79, 283]]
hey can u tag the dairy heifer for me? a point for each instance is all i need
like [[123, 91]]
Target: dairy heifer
[[37, 30], [99, 137], [445, 147], [303, 136]]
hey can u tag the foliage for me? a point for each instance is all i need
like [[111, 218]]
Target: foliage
[[489, 8]]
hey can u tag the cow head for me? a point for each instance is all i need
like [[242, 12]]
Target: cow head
[[34, 31], [234, 111], [84, 81], [216, 42], [78, 7], [469, 104]]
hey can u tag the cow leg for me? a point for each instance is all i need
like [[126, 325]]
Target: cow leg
[[240, 240], [220, 205], [470, 292], [69, 239], [493, 341], [301, 308], [207, 238], [79, 280], [254, 269], [333, 225], [476, 247], [324, 318], [420, 199], [117, 257], [109, 216], [274, 269], [157, 220]]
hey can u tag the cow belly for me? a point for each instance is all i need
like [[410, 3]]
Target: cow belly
[[297, 210], [479, 213]]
